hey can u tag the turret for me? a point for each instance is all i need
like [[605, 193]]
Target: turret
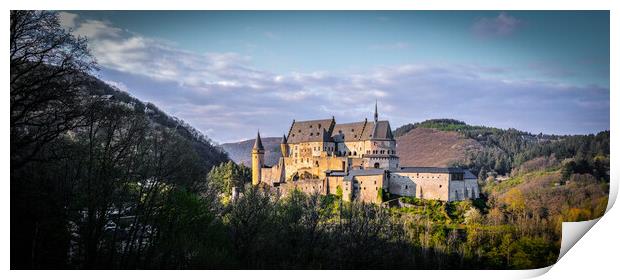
[[258, 160], [284, 146]]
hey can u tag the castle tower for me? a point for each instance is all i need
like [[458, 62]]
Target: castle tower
[[284, 146], [258, 160]]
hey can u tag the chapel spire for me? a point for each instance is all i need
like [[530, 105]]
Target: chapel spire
[[376, 112]]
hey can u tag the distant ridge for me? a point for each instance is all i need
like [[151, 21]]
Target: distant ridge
[[239, 152]]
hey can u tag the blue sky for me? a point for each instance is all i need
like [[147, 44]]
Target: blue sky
[[229, 73]]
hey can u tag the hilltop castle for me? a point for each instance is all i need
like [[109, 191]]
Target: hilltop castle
[[357, 160]]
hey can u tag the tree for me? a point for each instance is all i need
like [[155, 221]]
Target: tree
[[473, 216], [568, 168], [48, 67]]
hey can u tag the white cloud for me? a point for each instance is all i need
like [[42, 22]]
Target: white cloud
[[67, 20], [224, 94], [392, 46], [502, 25]]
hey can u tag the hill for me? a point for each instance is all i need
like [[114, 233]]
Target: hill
[[209, 153], [504, 149], [240, 152], [431, 147]]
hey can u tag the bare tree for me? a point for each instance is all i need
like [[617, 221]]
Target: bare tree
[[47, 71]]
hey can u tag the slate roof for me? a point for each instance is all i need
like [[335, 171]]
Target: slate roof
[[327, 130], [431, 170], [311, 131], [352, 131], [258, 144], [363, 172], [382, 130], [360, 131], [469, 175], [335, 173], [378, 156]]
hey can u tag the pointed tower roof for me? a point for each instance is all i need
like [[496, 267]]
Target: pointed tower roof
[[376, 112], [283, 139], [258, 144]]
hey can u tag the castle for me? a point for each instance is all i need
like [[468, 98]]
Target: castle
[[357, 160]]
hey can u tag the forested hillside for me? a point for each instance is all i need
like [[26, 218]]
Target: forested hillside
[[84, 154], [504, 149]]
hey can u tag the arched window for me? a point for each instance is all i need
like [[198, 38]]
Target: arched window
[[355, 153], [376, 165]]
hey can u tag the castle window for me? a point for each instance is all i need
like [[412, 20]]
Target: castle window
[[299, 131], [376, 165], [311, 133], [355, 153], [375, 182], [406, 187], [310, 126], [352, 130], [440, 186], [339, 131], [319, 126]]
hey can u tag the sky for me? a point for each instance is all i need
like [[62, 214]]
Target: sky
[[231, 73]]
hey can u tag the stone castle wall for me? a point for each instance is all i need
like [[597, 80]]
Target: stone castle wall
[[367, 188], [308, 186], [423, 185], [461, 190]]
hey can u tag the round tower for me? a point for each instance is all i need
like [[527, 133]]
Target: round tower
[[284, 146], [258, 160]]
